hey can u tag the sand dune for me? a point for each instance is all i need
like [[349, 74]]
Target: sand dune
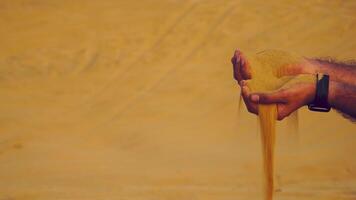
[[135, 100]]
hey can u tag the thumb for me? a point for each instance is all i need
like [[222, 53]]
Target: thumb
[[269, 98]]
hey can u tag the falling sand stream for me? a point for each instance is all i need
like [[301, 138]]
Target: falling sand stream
[[268, 75]]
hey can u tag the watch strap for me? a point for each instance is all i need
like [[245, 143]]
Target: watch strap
[[320, 102]]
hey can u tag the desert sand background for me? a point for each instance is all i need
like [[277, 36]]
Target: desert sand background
[[135, 100]]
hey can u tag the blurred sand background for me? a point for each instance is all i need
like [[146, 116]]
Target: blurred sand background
[[135, 100]]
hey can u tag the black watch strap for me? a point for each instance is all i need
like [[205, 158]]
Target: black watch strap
[[320, 102]]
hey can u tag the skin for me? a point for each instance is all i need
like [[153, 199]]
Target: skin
[[342, 86]]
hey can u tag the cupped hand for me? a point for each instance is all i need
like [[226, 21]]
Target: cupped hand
[[241, 67], [288, 99]]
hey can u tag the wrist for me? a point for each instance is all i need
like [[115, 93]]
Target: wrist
[[311, 93], [321, 66], [314, 66], [311, 66]]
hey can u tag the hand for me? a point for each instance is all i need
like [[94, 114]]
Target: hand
[[287, 99], [242, 70]]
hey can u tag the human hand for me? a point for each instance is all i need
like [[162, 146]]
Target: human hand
[[242, 72], [241, 67], [288, 99]]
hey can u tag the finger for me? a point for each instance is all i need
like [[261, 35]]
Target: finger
[[279, 96], [236, 65], [244, 83], [251, 106], [245, 68], [233, 61]]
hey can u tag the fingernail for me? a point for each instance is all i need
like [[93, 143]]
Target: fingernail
[[255, 97]]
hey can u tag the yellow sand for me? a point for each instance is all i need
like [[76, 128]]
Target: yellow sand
[[122, 99], [267, 115], [268, 70], [268, 75]]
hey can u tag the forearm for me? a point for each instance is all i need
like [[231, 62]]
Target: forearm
[[343, 97], [342, 89], [340, 72]]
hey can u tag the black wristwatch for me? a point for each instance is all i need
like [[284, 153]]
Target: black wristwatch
[[320, 103]]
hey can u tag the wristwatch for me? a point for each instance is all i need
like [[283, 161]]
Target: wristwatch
[[320, 103]]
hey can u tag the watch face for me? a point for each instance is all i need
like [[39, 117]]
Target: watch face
[[314, 107]]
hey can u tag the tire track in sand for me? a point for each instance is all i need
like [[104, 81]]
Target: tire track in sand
[[144, 54], [172, 69]]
